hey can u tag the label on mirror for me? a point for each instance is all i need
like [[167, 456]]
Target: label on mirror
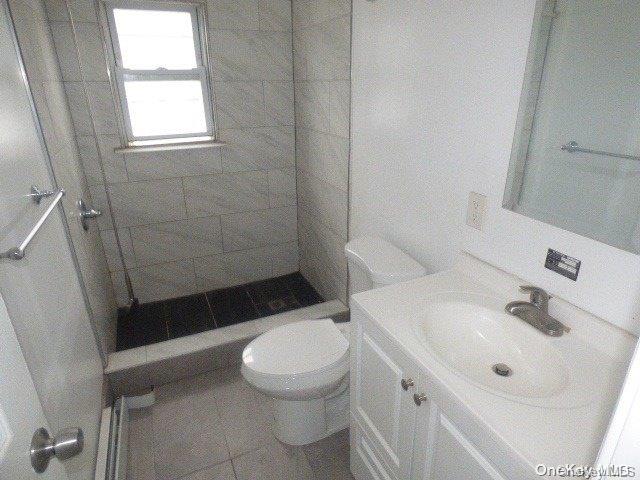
[[562, 264]]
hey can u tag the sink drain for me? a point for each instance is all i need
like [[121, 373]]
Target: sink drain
[[502, 369]]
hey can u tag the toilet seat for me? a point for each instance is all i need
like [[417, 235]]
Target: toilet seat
[[302, 360]]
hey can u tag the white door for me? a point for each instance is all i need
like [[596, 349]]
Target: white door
[[42, 292], [383, 409], [20, 410]]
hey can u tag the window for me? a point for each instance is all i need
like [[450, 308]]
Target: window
[[160, 71]]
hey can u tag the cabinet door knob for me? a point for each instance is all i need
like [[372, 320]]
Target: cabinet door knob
[[406, 383], [419, 398]]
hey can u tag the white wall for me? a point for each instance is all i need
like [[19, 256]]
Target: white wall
[[435, 92]]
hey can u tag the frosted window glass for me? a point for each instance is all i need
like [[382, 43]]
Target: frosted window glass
[[152, 39], [173, 107]]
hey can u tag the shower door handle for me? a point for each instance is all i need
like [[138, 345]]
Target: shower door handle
[[86, 213]]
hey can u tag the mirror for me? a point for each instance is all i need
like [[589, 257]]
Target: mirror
[[575, 160]]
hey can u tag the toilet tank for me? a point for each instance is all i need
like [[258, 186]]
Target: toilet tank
[[374, 262]]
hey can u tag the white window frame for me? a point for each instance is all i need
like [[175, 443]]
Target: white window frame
[[200, 73]]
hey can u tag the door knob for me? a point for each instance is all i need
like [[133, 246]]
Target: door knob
[[419, 398], [406, 383], [66, 444], [86, 213]]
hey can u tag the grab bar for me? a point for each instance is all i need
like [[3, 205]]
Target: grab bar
[[17, 253], [573, 146]]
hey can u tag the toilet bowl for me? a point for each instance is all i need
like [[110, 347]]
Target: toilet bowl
[[304, 366]]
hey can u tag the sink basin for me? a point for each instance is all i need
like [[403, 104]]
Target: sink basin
[[472, 335]]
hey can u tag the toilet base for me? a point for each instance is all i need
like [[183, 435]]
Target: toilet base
[[307, 421]]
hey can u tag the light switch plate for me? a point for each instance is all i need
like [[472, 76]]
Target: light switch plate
[[476, 209]]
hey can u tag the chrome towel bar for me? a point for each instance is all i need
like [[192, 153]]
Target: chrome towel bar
[[17, 253], [573, 146]]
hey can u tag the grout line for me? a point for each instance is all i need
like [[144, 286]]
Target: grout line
[[166, 322], [215, 323], [293, 294], [255, 307]]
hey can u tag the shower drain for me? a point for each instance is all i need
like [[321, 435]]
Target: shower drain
[[502, 369]]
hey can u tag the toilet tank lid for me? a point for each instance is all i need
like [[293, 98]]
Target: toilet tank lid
[[385, 263]]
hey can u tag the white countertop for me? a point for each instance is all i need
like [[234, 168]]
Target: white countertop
[[515, 436]]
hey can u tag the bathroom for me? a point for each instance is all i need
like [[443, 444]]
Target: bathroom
[[319, 239]]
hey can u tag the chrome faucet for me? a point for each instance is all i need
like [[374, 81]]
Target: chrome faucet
[[536, 312]]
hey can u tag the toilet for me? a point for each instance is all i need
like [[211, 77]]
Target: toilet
[[304, 366]]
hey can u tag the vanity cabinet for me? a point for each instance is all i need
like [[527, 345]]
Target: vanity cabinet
[[397, 432]]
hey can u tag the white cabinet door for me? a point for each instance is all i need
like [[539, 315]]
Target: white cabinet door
[[381, 408], [448, 454]]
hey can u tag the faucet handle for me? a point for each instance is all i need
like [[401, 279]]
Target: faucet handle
[[538, 296]]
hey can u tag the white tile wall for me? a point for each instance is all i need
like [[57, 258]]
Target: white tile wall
[[242, 231], [282, 187], [66, 51], [258, 148], [278, 99], [113, 163], [168, 205], [226, 193], [251, 55], [238, 15], [111, 249], [164, 280], [91, 52], [102, 107], [321, 51], [184, 239], [236, 268], [144, 203], [285, 258], [274, 15], [80, 114], [327, 204], [240, 104], [88, 149]]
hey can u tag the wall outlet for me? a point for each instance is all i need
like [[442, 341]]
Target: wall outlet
[[476, 209]]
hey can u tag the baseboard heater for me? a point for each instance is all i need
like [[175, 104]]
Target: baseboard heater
[[113, 443]]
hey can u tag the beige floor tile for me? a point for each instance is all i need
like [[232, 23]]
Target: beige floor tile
[[187, 429], [329, 458], [273, 462], [247, 415], [222, 471], [197, 425]]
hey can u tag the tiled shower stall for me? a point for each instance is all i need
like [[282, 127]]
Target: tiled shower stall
[[272, 200]]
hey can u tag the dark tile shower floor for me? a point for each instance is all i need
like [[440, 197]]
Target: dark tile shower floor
[[159, 321]]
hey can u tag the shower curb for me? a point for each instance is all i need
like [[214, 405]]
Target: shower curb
[[137, 369]]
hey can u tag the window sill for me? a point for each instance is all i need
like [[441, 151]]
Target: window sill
[[184, 144]]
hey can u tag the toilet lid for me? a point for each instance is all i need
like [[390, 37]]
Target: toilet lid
[[296, 348]]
